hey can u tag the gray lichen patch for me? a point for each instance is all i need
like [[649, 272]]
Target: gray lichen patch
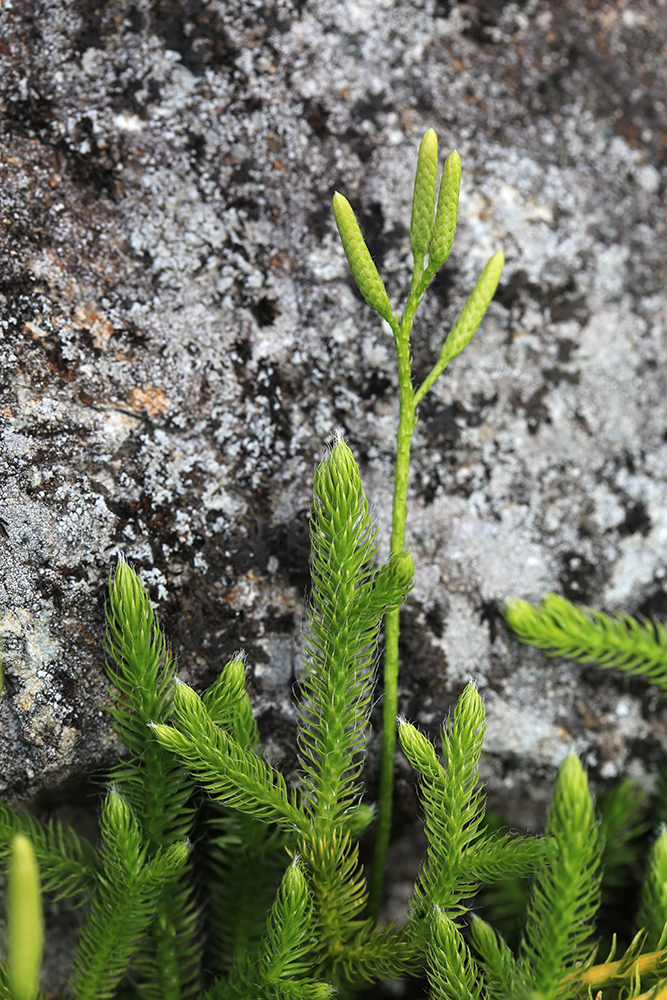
[[179, 336], [42, 726]]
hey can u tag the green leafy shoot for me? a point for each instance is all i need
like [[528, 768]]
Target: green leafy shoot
[[68, 863], [242, 856], [562, 628], [123, 907], [452, 972], [566, 894], [504, 902], [653, 910], [349, 597], [556, 958], [495, 958], [141, 670], [242, 860], [282, 963], [348, 601], [623, 822], [461, 854], [228, 704], [233, 774]]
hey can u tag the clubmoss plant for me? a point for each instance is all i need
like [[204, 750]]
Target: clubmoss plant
[[432, 228], [214, 879], [149, 910]]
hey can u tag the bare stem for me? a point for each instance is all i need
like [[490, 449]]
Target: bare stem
[[406, 425]]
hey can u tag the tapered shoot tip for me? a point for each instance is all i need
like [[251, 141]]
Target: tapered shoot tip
[[497, 261], [573, 771], [429, 141]]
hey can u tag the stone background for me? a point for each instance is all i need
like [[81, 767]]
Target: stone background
[[180, 335]]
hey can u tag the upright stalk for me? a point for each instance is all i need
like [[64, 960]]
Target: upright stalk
[[406, 425], [432, 228]]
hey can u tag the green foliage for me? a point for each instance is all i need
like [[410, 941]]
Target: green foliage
[[460, 853], [143, 916], [562, 628], [281, 965], [68, 863], [452, 973], [496, 960], [555, 954], [272, 901], [123, 908], [653, 910], [242, 858], [349, 598], [156, 788], [622, 821], [141, 670], [637, 647], [236, 776], [565, 895]]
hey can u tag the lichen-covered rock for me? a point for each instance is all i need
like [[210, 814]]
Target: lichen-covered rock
[[180, 335]]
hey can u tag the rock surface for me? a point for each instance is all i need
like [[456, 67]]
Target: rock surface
[[179, 336]]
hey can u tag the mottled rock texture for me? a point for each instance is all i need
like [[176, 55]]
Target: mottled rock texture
[[179, 336]]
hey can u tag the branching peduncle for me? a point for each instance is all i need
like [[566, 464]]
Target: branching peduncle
[[432, 228]]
